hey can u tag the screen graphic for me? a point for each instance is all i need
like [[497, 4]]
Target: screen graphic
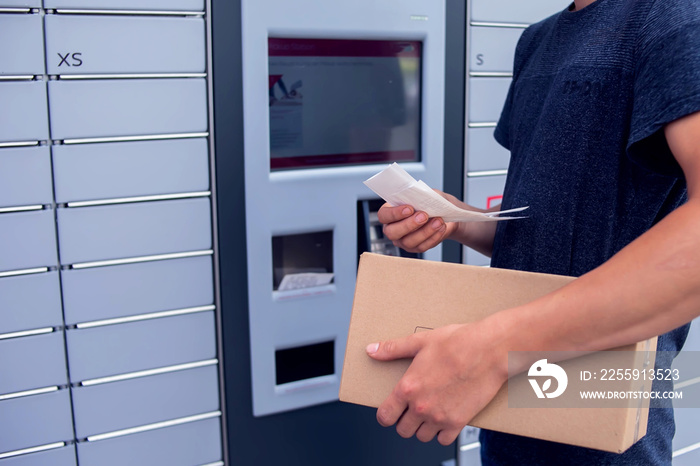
[[343, 102]]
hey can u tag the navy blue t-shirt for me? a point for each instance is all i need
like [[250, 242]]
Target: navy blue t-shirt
[[591, 93]]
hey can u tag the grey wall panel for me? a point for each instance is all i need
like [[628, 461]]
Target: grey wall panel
[[127, 169], [32, 362], [165, 5], [484, 152], [183, 445], [23, 111], [125, 348], [35, 420], [30, 302], [124, 44], [131, 230], [21, 44], [485, 192], [125, 290], [27, 240], [59, 457], [130, 107], [120, 405], [25, 176]]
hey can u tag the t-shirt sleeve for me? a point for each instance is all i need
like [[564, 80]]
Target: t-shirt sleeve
[[667, 81]]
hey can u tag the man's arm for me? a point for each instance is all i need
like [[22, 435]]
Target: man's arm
[[650, 287]]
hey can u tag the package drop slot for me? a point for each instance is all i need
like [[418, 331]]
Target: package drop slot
[[302, 260], [304, 362]]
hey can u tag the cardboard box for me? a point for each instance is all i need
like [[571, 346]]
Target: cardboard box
[[395, 297]]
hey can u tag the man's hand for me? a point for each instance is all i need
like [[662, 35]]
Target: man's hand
[[412, 231], [456, 371]]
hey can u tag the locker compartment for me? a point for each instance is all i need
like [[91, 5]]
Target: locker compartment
[[25, 176], [23, 111], [692, 458], [686, 428], [28, 363], [35, 420], [485, 192], [120, 405], [128, 169], [132, 347], [59, 457], [30, 302], [127, 107], [508, 11], [133, 289], [172, 446], [164, 5], [133, 230], [27, 240], [484, 153], [486, 98], [493, 49], [476, 258], [21, 44], [124, 44]]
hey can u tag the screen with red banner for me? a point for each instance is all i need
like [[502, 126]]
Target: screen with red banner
[[337, 102]]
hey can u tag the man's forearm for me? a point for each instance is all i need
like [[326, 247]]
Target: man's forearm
[[650, 287]]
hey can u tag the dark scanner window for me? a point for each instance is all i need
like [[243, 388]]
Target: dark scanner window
[[305, 362]]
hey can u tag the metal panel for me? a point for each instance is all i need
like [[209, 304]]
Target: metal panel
[[486, 98], [35, 420], [27, 240], [127, 107], [30, 302], [32, 362], [183, 445], [510, 11], [25, 176], [124, 44], [59, 457], [484, 152], [127, 290], [23, 111], [21, 45], [20, 3], [132, 347], [492, 49], [127, 169], [131, 230], [120, 405], [165, 5]]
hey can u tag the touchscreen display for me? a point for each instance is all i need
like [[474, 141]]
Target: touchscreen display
[[343, 102]]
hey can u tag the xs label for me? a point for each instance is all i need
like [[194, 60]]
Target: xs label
[[73, 59]]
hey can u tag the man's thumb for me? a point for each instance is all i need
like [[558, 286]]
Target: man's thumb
[[394, 349]]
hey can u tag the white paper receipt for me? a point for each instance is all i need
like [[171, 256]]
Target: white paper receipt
[[397, 187]]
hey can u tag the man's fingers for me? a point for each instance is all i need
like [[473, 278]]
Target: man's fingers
[[446, 437], [408, 424], [426, 432], [390, 411], [400, 348], [390, 214]]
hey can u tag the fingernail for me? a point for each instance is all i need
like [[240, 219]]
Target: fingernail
[[406, 211], [372, 348], [436, 224], [421, 218]]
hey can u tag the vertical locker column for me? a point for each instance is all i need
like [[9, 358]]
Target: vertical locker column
[[34, 397], [128, 114], [494, 27], [493, 30]]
